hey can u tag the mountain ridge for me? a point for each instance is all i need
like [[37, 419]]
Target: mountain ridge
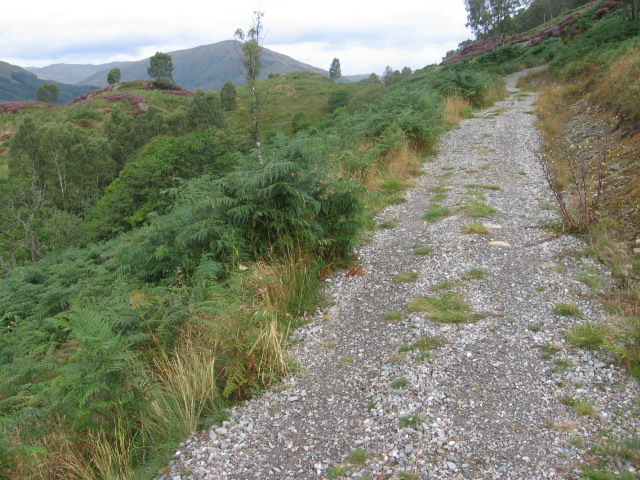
[[205, 67]]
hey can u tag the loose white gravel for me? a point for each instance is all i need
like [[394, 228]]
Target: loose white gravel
[[486, 405]]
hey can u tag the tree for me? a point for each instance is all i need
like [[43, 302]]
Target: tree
[[48, 93], [491, 16], [205, 111], [630, 9], [390, 76], [334, 70], [113, 76], [20, 201], [252, 63], [69, 164], [161, 69], [405, 73], [228, 96]]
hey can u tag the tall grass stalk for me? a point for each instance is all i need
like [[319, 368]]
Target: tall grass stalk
[[455, 109]]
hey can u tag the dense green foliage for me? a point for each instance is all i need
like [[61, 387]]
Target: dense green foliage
[[144, 223], [48, 93], [161, 69], [113, 76]]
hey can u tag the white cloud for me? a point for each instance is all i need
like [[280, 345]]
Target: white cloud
[[366, 36]]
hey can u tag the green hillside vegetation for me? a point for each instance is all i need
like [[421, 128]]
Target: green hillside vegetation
[[153, 267], [16, 82]]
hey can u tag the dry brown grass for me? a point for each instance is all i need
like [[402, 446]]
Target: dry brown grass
[[565, 117], [620, 84], [455, 109]]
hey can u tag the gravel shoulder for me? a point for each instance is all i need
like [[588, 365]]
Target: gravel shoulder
[[487, 399]]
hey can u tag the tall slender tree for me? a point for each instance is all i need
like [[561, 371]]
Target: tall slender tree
[[334, 70], [252, 62]]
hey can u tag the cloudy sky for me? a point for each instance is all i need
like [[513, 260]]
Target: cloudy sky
[[365, 35]]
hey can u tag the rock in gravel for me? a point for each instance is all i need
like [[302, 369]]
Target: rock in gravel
[[478, 399]]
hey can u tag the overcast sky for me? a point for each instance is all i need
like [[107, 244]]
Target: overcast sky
[[365, 35]]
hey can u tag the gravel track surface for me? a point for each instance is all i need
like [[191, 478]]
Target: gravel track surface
[[386, 399]]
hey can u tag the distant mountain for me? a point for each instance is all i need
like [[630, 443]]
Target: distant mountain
[[73, 74], [206, 67], [18, 84]]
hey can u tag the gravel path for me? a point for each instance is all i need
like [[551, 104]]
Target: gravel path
[[388, 398]]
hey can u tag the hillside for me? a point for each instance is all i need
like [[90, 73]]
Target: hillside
[[207, 67], [16, 83], [74, 74]]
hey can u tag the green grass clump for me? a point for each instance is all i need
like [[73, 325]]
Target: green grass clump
[[393, 316], [423, 344], [358, 456], [445, 285], [405, 277], [584, 409], [399, 383], [478, 209], [337, 471], [567, 310], [422, 250], [476, 228], [436, 213], [412, 420], [590, 335], [449, 308], [389, 224], [476, 274], [588, 279], [478, 186]]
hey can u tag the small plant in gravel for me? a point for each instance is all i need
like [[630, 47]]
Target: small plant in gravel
[[371, 405], [396, 200], [397, 357], [476, 274], [562, 364], [585, 409], [412, 420], [389, 224], [405, 277], [439, 189], [409, 476], [357, 456], [399, 383], [478, 209], [423, 344], [480, 186], [393, 316], [449, 308], [567, 310], [568, 400], [345, 360], [476, 228], [588, 279], [534, 328], [435, 213], [445, 285], [337, 471], [592, 335], [422, 250]]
